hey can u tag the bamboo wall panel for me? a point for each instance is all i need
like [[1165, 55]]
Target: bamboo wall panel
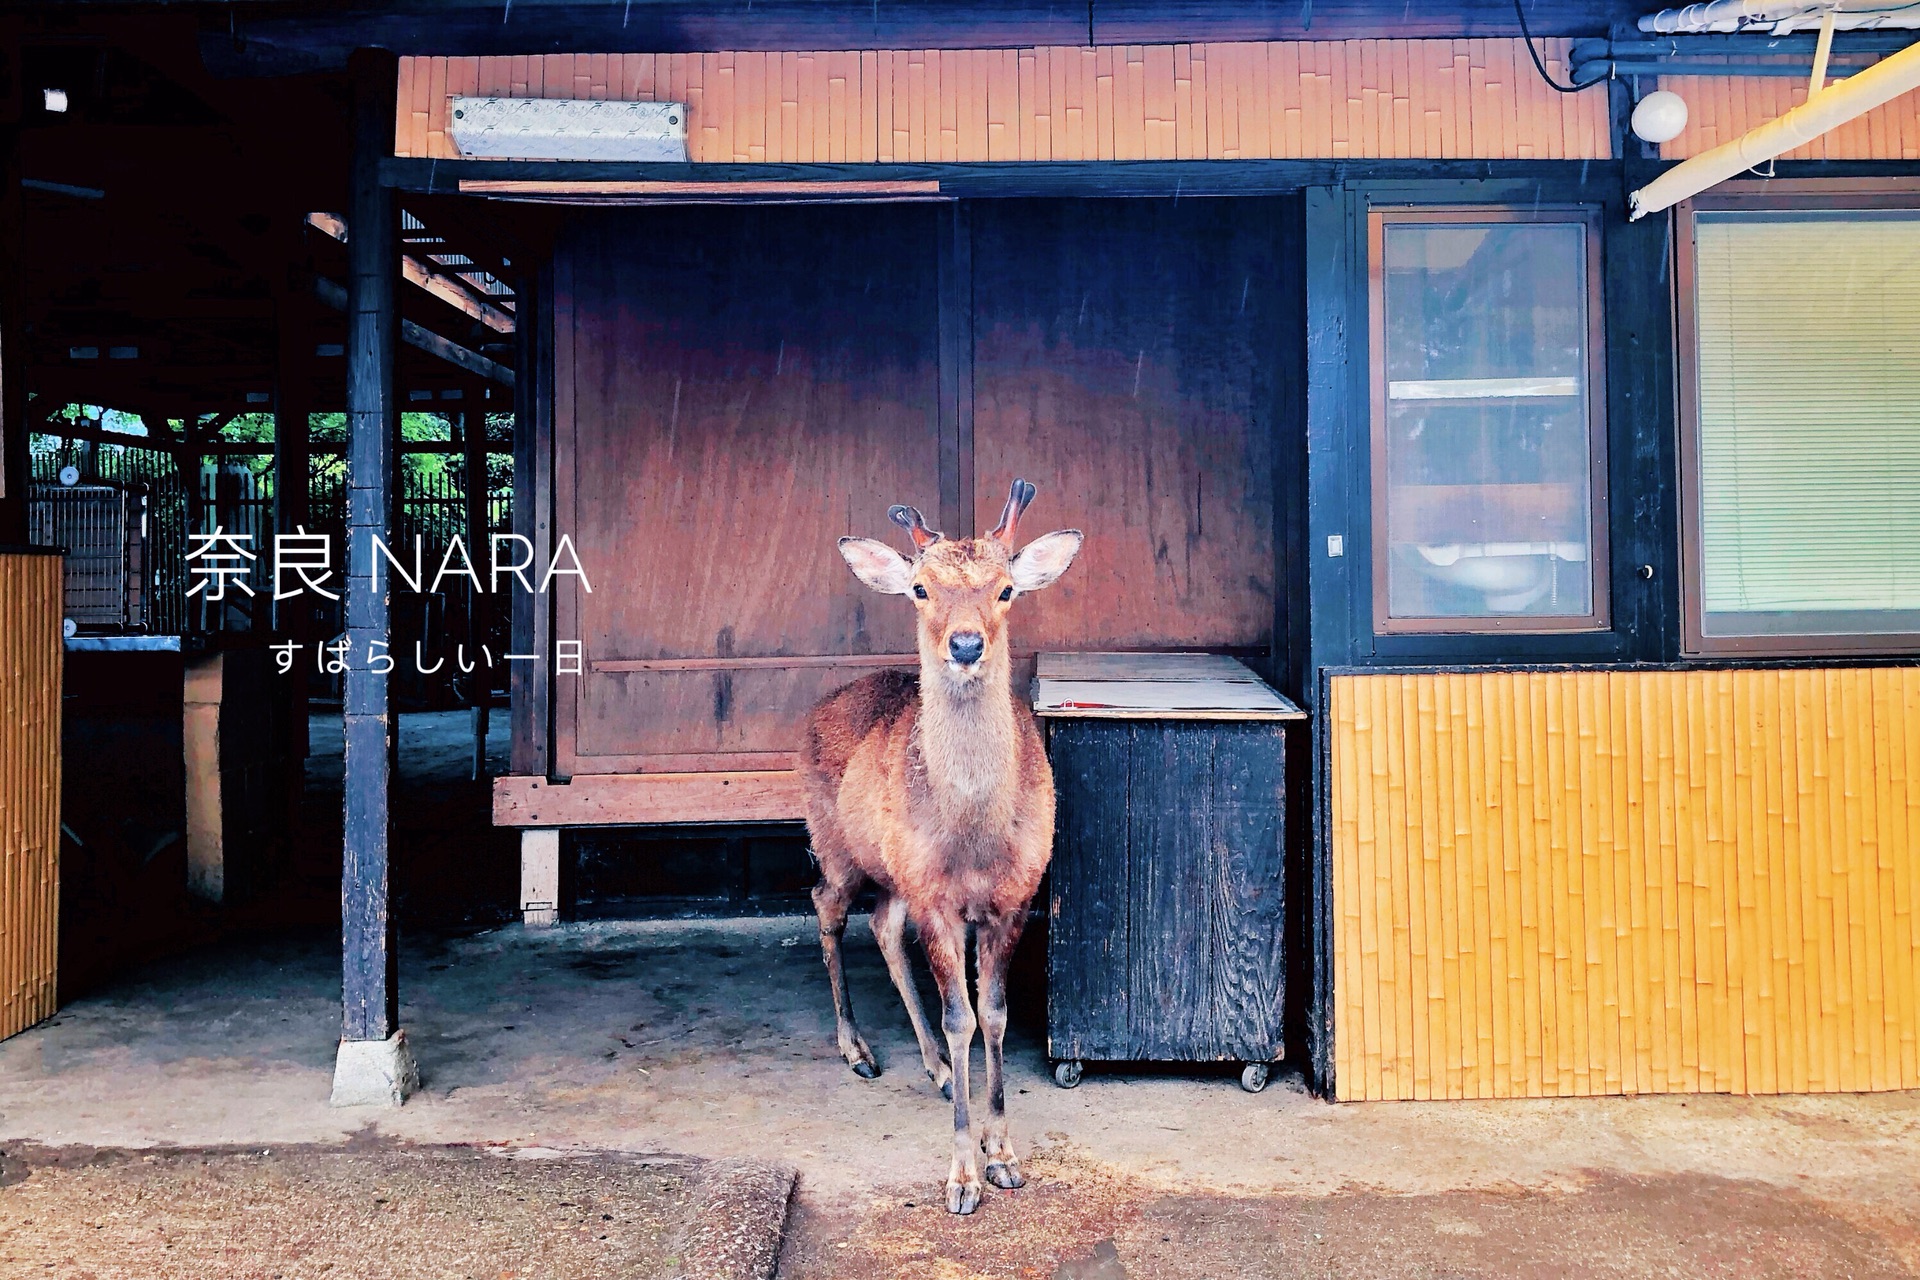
[[30, 672], [1721, 108], [1625, 882], [1423, 99]]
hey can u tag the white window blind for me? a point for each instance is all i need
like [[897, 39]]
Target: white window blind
[[1809, 422]]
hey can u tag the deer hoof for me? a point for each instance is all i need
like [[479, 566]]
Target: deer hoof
[[854, 1049], [963, 1197], [1005, 1174], [943, 1081]]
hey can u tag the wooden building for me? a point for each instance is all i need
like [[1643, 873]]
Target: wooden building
[[1585, 538]]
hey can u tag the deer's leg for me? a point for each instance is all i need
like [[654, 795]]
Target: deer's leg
[[890, 929], [830, 901], [946, 943], [993, 946]]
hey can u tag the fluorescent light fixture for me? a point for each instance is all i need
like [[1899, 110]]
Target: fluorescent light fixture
[[258, 397], [568, 129], [123, 353], [329, 349], [83, 353], [55, 99]]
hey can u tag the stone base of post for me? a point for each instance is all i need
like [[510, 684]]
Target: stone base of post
[[374, 1073]]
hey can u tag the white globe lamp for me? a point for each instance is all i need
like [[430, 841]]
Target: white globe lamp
[[1660, 116]]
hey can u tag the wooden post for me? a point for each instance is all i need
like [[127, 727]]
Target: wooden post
[[530, 683], [13, 390], [292, 453], [292, 439], [473, 430], [374, 1065]]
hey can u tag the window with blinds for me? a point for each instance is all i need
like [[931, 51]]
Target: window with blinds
[[1806, 406]]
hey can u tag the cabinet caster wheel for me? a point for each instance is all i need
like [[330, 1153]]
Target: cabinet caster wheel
[[1253, 1077], [1067, 1074]]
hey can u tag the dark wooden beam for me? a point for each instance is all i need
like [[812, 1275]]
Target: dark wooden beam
[[424, 339], [493, 244], [962, 180], [94, 435], [242, 449], [370, 994], [258, 43]]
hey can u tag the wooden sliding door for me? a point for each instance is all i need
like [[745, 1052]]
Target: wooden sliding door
[[735, 388]]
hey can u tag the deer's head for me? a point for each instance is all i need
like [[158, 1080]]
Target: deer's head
[[962, 588]]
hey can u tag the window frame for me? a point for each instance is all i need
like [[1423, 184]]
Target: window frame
[[1813, 196], [1599, 549]]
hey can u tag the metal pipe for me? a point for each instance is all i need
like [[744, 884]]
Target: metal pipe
[[1778, 16], [1822, 52], [1746, 44], [1877, 85], [1589, 72]]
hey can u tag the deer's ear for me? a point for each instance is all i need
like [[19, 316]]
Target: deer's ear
[[1042, 561], [878, 565]]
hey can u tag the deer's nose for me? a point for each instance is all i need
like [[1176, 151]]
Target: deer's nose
[[966, 647]]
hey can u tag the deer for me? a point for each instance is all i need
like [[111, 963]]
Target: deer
[[934, 787]]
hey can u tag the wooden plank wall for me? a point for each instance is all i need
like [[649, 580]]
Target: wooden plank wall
[[1422, 99], [1625, 882], [774, 374], [1721, 108], [31, 658]]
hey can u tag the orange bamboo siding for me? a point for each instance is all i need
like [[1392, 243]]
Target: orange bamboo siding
[[1625, 882], [1721, 108], [1426, 99], [31, 658]]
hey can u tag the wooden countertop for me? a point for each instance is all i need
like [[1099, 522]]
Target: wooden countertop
[[1154, 686]]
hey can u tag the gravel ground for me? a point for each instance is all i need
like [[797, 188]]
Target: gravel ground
[[383, 1209], [1081, 1220]]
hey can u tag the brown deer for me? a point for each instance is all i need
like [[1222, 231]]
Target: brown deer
[[935, 789]]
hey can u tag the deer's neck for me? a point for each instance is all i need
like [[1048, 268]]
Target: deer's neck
[[968, 738]]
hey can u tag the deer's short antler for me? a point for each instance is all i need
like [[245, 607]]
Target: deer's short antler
[[1017, 500], [910, 519]]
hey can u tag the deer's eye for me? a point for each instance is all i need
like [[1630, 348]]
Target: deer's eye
[[919, 592], [1006, 593]]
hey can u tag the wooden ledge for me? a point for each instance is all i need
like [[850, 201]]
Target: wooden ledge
[[632, 799]]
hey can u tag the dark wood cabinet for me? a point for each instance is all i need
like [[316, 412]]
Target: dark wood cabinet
[[1166, 911]]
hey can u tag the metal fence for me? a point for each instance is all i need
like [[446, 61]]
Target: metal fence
[[102, 526], [151, 591], [163, 580]]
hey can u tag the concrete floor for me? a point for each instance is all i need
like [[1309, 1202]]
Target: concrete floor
[[714, 1039]]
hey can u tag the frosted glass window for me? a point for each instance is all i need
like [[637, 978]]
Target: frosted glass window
[[1807, 376], [1485, 432]]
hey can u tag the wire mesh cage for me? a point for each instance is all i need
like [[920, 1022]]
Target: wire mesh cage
[[102, 529]]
